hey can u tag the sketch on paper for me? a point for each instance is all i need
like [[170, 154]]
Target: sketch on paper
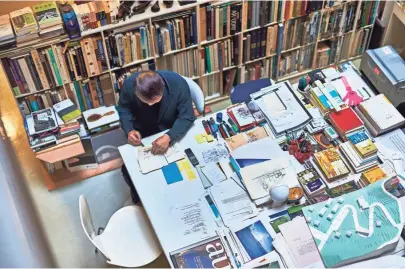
[[215, 154], [269, 178]]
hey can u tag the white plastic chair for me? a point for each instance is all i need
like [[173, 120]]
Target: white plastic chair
[[128, 239], [196, 95]]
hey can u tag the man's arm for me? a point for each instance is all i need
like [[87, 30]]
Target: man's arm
[[124, 110], [185, 116]]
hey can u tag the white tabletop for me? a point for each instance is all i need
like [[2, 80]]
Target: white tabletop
[[157, 197]]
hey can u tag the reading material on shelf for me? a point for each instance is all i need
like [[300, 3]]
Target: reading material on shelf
[[24, 24], [7, 36], [184, 63], [281, 108], [380, 115], [49, 19], [331, 164]]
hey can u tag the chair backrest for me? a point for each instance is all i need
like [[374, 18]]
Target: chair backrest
[[85, 218], [241, 93], [196, 95]]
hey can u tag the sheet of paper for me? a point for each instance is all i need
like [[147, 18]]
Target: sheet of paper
[[256, 134], [149, 162], [233, 202], [227, 168], [172, 173], [213, 173], [192, 220], [391, 146], [299, 240], [259, 178], [255, 150], [242, 115], [212, 153], [200, 139], [184, 165], [191, 174], [236, 141], [274, 103], [174, 153]]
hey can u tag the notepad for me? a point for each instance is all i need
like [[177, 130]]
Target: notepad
[[172, 173], [149, 162]]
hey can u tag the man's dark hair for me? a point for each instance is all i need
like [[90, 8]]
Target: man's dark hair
[[148, 84]]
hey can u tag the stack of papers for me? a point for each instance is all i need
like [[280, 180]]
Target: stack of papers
[[24, 24], [49, 19], [379, 115], [281, 108], [318, 123], [7, 36]]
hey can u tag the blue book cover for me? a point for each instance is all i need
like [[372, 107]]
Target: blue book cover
[[280, 37], [100, 96], [171, 33], [34, 106], [159, 39], [220, 60], [87, 96], [209, 254], [143, 42]]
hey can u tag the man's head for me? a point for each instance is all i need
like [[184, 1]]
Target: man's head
[[149, 87]]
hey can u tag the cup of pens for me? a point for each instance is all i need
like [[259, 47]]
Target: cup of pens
[[301, 149]]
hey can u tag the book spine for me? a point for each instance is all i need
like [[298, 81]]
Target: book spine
[[99, 91], [54, 66], [280, 37], [79, 96], [11, 77], [194, 28], [20, 76], [26, 73], [33, 72], [87, 96], [263, 42]]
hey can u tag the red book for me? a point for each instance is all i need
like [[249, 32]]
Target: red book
[[287, 10], [345, 120]]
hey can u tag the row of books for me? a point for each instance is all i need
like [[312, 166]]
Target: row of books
[[360, 41], [127, 47], [217, 21], [336, 49], [119, 77], [300, 31], [368, 11], [94, 14], [41, 101], [260, 43], [299, 8], [337, 21], [296, 60], [175, 33], [184, 63], [263, 12], [220, 55]]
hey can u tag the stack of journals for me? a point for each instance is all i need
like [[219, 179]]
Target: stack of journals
[[362, 143], [241, 116], [49, 19], [69, 129], [372, 175], [331, 164], [67, 111], [95, 13], [358, 162], [175, 32], [24, 24], [379, 115], [345, 122], [101, 119], [327, 99], [311, 182], [7, 37]]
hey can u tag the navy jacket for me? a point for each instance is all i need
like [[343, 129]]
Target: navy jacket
[[175, 113]]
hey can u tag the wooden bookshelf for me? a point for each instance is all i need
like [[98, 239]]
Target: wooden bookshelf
[[148, 18]]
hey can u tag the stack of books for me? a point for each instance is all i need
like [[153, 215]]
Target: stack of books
[[67, 111], [371, 175], [368, 13], [49, 19], [68, 129], [296, 60], [25, 25], [175, 32], [7, 37], [331, 163], [360, 41], [125, 47], [326, 99], [345, 122], [358, 162], [363, 144], [218, 56], [260, 43], [95, 13], [311, 182], [379, 115]]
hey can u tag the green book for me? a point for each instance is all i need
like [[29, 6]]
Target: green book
[[366, 12], [279, 15], [55, 66], [79, 96], [207, 59], [47, 14]]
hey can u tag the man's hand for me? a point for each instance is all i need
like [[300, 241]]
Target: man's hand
[[160, 145], [134, 138]]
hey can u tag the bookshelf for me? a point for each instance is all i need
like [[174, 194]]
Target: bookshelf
[[188, 58]]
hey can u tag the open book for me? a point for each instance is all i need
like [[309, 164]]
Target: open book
[[149, 162]]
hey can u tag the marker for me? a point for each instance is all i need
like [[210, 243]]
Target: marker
[[214, 127], [222, 131], [206, 127], [214, 134], [233, 125], [228, 129], [219, 117]]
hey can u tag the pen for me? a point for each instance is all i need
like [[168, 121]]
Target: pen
[[214, 127], [223, 132], [228, 129], [233, 125], [206, 127]]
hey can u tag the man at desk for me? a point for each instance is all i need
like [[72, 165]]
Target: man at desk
[[151, 102]]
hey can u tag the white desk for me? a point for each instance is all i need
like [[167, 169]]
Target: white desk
[[157, 197]]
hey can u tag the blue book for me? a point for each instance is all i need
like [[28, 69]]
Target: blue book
[[34, 106], [100, 96], [143, 42], [220, 60], [171, 34], [159, 39], [87, 96], [280, 37]]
